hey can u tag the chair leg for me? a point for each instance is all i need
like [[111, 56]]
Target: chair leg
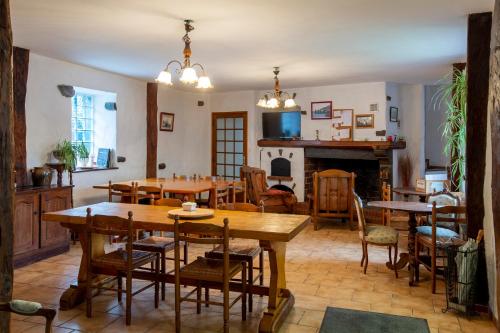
[[433, 269], [185, 253], [390, 254], [261, 267], [163, 270], [417, 262], [244, 292], [157, 284], [88, 296], [226, 306], [198, 298], [395, 260], [366, 257], [315, 223], [128, 306], [207, 297], [119, 288], [250, 285]]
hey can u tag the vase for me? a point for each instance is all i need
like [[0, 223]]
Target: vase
[[41, 176]]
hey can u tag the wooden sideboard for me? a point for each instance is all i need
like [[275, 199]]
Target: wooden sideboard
[[34, 239]]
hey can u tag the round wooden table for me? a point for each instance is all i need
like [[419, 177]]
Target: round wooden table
[[407, 191], [412, 208]]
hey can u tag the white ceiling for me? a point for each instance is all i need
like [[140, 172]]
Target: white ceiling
[[316, 42]]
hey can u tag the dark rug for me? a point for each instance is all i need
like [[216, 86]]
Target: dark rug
[[339, 320]]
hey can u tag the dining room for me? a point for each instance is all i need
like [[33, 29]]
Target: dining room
[[249, 167]]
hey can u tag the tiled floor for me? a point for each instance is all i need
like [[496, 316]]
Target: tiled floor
[[322, 270]]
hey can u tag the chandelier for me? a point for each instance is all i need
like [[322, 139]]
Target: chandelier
[[187, 72], [277, 99]]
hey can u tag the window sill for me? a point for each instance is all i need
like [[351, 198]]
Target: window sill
[[81, 170]]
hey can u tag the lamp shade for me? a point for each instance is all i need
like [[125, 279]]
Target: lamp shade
[[204, 83], [290, 103], [262, 103], [164, 77], [272, 103], [188, 76]]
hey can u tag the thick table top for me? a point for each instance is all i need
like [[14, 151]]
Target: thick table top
[[249, 225], [409, 191], [173, 185], [405, 206]]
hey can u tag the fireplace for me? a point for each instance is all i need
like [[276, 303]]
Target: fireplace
[[368, 166]]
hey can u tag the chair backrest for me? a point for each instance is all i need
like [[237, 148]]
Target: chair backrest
[[443, 198], [238, 187], [221, 193], [255, 182], [243, 207], [361, 215], [454, 215], [171, 202], [386, 192], [122, 191], [333, 190]]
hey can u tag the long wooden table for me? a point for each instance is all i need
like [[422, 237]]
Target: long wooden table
[[273, 231]]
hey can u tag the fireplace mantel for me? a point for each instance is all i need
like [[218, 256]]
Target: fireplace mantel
[[375, 145]]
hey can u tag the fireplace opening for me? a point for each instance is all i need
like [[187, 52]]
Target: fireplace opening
[[281, 167]]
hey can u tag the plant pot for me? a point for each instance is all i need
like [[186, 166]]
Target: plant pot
[[41, 176]]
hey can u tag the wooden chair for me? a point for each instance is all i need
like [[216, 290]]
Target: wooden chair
[[332, 195], [147, 193], [126, 193], [275, 201], [27, 308], [398, 220], [375, 235], [119, 263], [222, 194], [161, 244], [243, 252], [207, 270], [436, 238], [237, 187]]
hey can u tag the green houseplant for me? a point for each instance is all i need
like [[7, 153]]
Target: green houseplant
[[454, 95], [68, 153]]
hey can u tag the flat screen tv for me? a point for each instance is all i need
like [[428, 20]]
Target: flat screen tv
[[281, 125]]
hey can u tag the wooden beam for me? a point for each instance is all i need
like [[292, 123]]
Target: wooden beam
[[6, 161], [152, 129], [21, 63], [478, 73], [494, 112]]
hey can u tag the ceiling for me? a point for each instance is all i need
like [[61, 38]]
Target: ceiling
[[315, 42]]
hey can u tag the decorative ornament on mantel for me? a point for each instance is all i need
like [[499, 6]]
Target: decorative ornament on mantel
[[187, 71], [278, 99]]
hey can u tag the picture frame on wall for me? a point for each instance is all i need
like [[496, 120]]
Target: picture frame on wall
[[321, 110], [167, 121], [365, 121], [393, 114]]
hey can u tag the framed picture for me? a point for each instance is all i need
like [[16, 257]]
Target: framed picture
[[167, 121], [393, 114], [364, 121], [321, 110]]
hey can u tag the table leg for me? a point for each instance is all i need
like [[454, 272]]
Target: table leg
[[75, 294], [412, 223], [281, 299]]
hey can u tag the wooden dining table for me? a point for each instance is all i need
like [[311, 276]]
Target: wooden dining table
[[273, 231], [412, 208]]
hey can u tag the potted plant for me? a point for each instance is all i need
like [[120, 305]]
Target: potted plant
[[68, 153]]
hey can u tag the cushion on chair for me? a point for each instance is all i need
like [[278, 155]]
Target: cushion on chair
[[381, 235], [440, 232], [118, 259], [25, 307]]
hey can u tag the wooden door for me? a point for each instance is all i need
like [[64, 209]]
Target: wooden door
[[54, 233], [26, 226], [229, 143]]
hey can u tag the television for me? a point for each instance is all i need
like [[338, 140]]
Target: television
[[283, 125]]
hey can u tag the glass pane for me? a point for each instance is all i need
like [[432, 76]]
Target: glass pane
[[229, 158], [229, 122], [88, 112], [229, 134], [238, 135], [229, 170], [220, 123], [79, 112], [237, 171], [230, 147], [238, 123], [220, 146], [89, 147], [89, 124], [238, 147], [220, 135], [73, 124], [220, 158], [238, 159], [87, 136], [220, 170], [79, 136]]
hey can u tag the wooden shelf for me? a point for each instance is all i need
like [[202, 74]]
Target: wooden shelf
[[332, 144]]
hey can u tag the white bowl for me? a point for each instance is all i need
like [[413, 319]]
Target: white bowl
[[189, 206]]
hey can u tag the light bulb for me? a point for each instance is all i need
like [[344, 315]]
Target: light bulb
[[188, 76], [290, 103], [164, 77], [262, 103], [272, 103], [204, 83]]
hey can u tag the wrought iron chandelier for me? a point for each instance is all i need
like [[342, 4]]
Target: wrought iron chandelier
[[187, 71], [277, 99]]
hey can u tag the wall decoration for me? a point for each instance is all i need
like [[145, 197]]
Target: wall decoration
[[365, 121], [342, 124], [393, 114], [321, 110], [167, 121]]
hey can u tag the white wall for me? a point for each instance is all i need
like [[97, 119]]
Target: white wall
[[48, 119], [435, 116], [104, 123]]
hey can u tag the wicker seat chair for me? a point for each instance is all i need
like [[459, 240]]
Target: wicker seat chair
[[31, 309], [397, 220]]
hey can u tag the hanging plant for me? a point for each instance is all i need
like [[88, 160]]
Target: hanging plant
[[454, 128]]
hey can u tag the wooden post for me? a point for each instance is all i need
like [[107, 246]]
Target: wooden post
[[6, 161], [152, 129], [478, 72], [21, 58], [494, 112]]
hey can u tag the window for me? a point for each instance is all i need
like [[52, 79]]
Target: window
[[82, 120]]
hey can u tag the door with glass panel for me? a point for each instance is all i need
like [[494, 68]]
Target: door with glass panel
[[229, 144]]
